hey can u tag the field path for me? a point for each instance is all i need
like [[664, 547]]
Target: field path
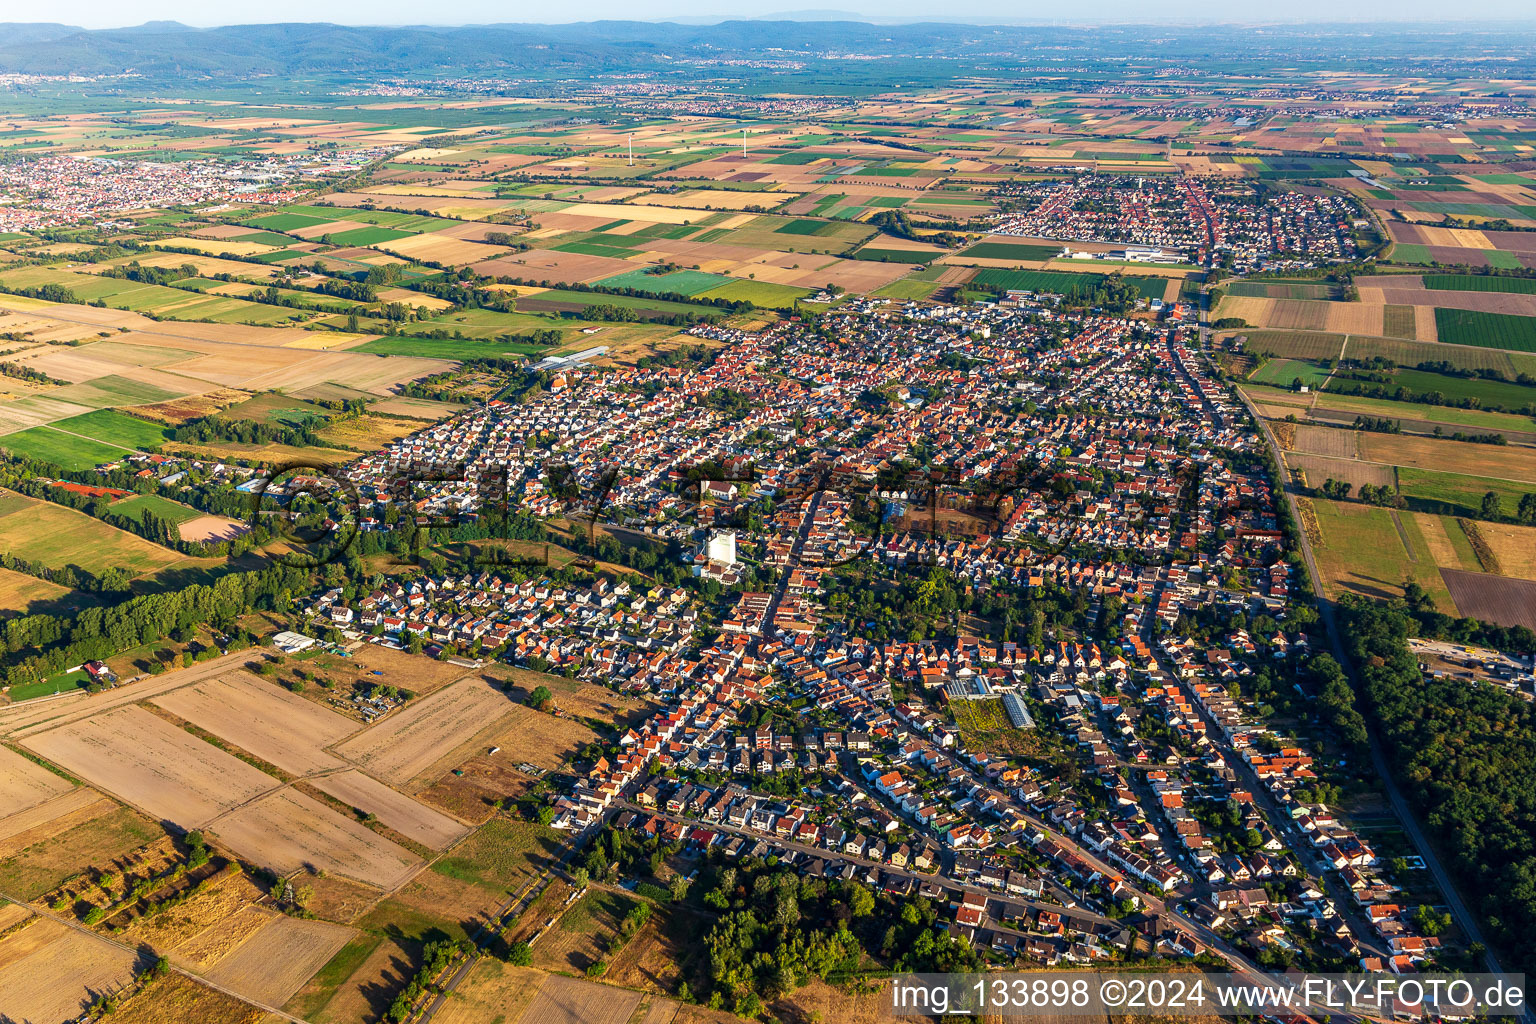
[[1402, 535], [23, 719]]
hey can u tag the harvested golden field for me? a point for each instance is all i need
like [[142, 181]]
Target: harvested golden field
[[165, 771], [287, 831], [263, 718], [1464, 457], [24, 784], [1513, 546], [271, 965], [1447, 543], [572, 1001], [408, 743], [411, 819], [60, 812], [21, 593], [50, 972], [207, 947], [177, 999], [1355, 318], [367, 433], [1332, 442], [493, 990], [1319, 468], [443, 249], [820, 1001]]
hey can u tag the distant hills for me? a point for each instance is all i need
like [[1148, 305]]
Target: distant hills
[[169, 50]]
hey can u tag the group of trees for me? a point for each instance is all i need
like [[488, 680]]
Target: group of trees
[[21, 371], [777, 930], [216, 428], [1465, 753], [39, 646]]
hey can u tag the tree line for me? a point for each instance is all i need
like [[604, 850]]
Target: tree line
[[1466, 754]]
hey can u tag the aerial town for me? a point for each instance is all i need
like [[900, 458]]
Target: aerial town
[[677, 522]]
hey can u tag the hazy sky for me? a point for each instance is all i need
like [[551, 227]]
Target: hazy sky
[[116, 13]]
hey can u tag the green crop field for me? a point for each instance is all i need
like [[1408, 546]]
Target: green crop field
[[1487, 330], [1454, 494], [1063, 282], [448, 348], [1487, 392], [288, 221], [895, 255], [622, 301], [1480, 283], [1411, 252], [1281, 372], [806, 227], [906, 289], [1012, 251], [265, 238], [597, 249], [116, 428], [368, 236], [66, 450], [680, 282], [759, 293]]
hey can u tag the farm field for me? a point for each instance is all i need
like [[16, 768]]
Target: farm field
[[55, 536], [25, 784], [407, 744], [1062, 282], [1507, 602], [48, 444], [272, 964], [1326, 405], [584, 932], [287, 831], [1489, 330], [263, 719], [493, 990], [1454, 493], [572, 1001], [1506, 463], [1305, 345], [60, 838], [1370, 551], [49, 972], [166, 772], [1281, 372], [22, 593], [404, 815], [177, 999]]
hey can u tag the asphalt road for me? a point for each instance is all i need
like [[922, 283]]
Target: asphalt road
[[1465, 919]]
